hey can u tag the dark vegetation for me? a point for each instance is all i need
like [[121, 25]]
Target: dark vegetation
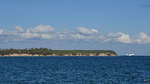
[[45, 51]]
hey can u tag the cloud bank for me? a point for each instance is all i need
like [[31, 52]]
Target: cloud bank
[[47, 32]]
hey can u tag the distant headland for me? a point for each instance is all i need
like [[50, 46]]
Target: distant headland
[[50, 52]]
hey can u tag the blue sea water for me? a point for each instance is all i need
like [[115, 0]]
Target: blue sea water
[[75, 70]]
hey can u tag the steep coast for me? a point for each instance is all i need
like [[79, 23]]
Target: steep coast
[[50, 52]]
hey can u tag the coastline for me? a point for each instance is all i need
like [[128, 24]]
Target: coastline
[[50, 52], [58, 55]]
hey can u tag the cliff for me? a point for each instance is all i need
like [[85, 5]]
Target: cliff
[[49, 52]]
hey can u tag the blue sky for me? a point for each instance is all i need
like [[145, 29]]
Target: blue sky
[[121, 25]]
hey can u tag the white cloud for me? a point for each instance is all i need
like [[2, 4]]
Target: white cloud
[[40, 31], [84, 30], [43, 29], [48, 32], [1, 31], [19, 29], [46, 36], [87, 34], [29, 35], [64, 35], [143, 38], [78, 36], [61, 36], [120, 37]]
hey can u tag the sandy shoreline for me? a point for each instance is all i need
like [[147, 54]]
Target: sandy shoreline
[[101, 54]]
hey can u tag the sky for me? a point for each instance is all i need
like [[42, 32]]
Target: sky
[[120, 25]]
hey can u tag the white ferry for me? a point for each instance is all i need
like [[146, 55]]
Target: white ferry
[[130, 54]]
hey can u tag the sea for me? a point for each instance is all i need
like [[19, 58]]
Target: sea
[[75, 70]]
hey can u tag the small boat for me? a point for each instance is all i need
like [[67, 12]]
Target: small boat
[[131, 54], [146, 80]]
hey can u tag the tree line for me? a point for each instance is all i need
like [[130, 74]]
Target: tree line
[[45, 51], [32, 51]]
